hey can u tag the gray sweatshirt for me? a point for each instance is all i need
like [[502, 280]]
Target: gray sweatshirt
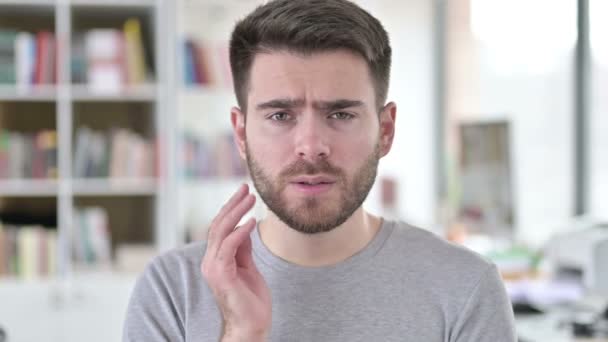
[[405, 285]]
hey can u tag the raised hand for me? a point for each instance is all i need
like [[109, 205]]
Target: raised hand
[[238, 287]]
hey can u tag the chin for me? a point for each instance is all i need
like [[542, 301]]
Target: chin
[[312, 220]]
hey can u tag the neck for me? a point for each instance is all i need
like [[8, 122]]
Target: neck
[[315, 250]]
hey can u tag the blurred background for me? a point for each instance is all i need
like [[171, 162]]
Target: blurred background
[[115, 146]]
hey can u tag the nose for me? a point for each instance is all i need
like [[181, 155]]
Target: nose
[[311, 140]]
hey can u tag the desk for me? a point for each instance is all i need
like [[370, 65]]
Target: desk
[[550, 327]]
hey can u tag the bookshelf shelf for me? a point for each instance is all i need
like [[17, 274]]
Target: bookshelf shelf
[[115, 3], [20, 3], [213, 182], [114, 187], [57, 91], [145, 92], [28, 188], [33, 94]]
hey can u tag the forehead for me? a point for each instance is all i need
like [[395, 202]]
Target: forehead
[[318, 76]]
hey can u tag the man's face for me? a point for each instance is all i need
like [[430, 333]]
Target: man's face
[[312, 136]]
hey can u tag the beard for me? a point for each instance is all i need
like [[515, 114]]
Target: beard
[[313, 214]]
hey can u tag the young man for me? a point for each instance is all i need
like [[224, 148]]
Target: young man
[[311, 79]]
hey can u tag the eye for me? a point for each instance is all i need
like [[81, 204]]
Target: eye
[[341, 116], [280, 116]]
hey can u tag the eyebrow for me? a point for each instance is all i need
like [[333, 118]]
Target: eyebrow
[[280, 104], [320, 105]]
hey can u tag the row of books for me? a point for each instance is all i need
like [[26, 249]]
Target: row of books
[[119, 153], [91, 238], [28, 155], [27, 59], [202, 158], [110, 59], [27, 252], [206, 64]]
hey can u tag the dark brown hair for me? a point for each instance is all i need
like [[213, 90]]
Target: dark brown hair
[[306, 27]]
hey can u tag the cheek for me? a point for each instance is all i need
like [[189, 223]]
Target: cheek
[[350, 158], [267, 149], [360, 142]]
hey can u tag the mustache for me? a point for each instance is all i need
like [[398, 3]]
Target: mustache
[[305, 167]]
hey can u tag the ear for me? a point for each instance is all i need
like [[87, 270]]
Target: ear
[[237, 118], [387, 127]]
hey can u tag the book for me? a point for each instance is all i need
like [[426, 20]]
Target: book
[[80, 153], [91, 239], [206, 63], [105, 60], [49, 148], [25, 57], [28, 251], [45, 58], [12, 251], [189, 63], [119, 153], [27, 241], [16, 155], [78, 62], [28, 155], [134, 52], [4, 153], [201, 65], [50, 73], [7, 56], [201, 158]]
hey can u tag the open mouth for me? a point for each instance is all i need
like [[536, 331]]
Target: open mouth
[[313, 184], [312, 188]]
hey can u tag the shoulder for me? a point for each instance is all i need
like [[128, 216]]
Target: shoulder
[[462, 281], [179, 263], [424, 243], [436, 259], [161, 296]]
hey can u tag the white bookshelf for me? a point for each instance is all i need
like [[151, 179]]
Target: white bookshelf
[[158, 206], [201, 109], [116, 3], [114, 187], [42, 93], [28, 188], [137, 207], [33, 4], [144, 93], [67, 98]]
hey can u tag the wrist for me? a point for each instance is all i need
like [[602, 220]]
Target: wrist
[[236, 335], [244, 337]]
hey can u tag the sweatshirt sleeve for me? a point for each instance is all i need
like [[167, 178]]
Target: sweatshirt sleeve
[[154, 312], [487, 315]]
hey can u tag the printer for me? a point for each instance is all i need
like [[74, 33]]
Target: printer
[[583, 250]]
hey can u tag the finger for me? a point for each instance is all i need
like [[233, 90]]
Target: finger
[[233, 201], [229, 246], [232, 218], [243, 254]]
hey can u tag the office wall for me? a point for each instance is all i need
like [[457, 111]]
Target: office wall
[[410, 24], [530, 88], [598, 143]]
